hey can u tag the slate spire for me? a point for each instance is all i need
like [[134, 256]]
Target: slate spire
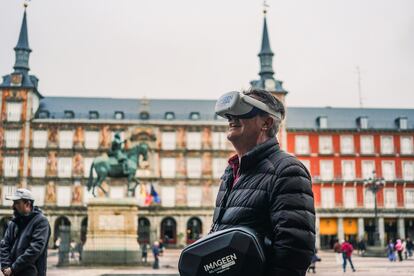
[[266, 54], [22, 48]]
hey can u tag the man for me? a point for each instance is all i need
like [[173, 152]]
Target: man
[[263, 187], [23, 250], [347, 249], [116, 151]]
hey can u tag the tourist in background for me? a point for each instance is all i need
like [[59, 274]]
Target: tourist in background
[[347, 249], [410, 247], [391, 251], [399, 249], [156, 253], [338, 252]]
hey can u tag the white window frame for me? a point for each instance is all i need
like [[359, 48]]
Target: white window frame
[[407, 172], [168, 167], [63, 201], [38, 166], [214, 192], [387, 203], [385, 175], [350, 197], [92, 139], [387, 144], [11, 166], [306, 163], [168, 196], [66, 139], [367, 173], [409, 199], [168, 140], [325, 201], [323, 174], [347, 147], [194, 196], [368, 148], [219, 165], [194, 167], [38, 194], [219, 140], [351, 176], [64, 165], [12, 138], [410, 146], [325, 144], [193, 139], [14, 111], [369, 201], [302, 145], [40, 139]]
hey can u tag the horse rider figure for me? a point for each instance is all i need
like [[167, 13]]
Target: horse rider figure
[[118, 152]]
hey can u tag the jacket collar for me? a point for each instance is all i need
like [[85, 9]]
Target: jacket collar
[[259, 153]]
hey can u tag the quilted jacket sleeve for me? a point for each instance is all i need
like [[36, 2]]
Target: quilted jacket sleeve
[[6, 245], [293, 220]]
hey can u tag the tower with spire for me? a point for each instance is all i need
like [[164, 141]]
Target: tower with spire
[[20, 80], [267, 80]]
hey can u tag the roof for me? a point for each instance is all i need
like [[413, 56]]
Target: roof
[[297, 117], [346, 118]]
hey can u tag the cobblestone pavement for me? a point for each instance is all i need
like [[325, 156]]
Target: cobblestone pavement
[[168, 262]]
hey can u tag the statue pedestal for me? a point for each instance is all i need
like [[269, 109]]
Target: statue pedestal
[[112, 232]]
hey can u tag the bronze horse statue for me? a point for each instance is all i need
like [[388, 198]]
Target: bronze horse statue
[[105, 166]]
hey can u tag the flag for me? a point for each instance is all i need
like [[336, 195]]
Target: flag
[[154, 195]]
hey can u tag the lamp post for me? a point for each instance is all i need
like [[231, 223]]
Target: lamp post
[[375, 184]]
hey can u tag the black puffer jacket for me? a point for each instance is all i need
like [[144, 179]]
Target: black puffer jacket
[[24, 246], [273, 195]]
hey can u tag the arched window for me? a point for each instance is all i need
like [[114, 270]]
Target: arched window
[[144, 230], [169, 230], [60, 223], [194, 230]]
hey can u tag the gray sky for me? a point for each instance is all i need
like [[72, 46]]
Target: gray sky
[[201, 49]]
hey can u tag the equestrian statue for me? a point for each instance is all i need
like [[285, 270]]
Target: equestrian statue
[[118, 163]]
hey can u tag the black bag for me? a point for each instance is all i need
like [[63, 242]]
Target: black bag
[[235, 251]]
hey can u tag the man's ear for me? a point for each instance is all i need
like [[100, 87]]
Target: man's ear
[[268, 123]]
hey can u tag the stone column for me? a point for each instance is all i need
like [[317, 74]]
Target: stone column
[[75, 228], [52, 230], [381, 229], [341, 235], [361, 228], [181, 228], [401, 228], [318, 238]]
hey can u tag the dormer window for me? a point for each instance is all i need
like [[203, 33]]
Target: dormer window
[[144, 115], [195, 116], [362, 122], [13, 111], [119, 115], [69, 114], [43, 114], [93, 114], [169, 115], [402, 122], [322, 122]]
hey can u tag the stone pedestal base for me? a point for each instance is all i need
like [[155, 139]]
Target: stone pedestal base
[[112, 232]]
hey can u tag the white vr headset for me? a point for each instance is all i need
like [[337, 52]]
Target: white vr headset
[[241, 106]]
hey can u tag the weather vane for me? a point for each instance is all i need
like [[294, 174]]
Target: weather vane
[[265, 6], [26, 3]]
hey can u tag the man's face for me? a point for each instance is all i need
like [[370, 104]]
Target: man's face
[[244, 130], [21, 207]]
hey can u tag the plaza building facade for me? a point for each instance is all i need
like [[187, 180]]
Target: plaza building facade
[[47, 144]]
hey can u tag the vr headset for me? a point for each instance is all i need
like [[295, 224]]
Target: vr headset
[[241, 106], [229, 252]]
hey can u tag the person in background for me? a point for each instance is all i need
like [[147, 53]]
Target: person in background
[[315, 259], [391, 251], [144, 254], [338, 252], [156, 253], [161, 246], [347, 249], [399, 248], [361, 247], [410, 247]]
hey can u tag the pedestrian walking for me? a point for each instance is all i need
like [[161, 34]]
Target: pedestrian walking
[[391, 251], [144, 254], [347, 255], [156, 253], [404, 252], [315, 259], [361, 247], [23, 250], [399, 249], [338, 252], [161, 246], [410, 247]]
